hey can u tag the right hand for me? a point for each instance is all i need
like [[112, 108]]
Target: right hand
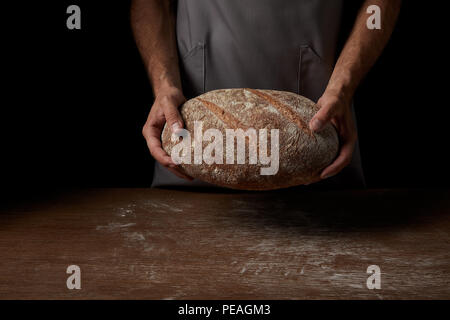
[[164, 109]]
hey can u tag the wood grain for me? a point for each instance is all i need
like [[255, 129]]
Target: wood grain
[[172, 244]]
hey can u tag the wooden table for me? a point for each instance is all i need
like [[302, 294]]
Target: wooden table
[[172, 244]]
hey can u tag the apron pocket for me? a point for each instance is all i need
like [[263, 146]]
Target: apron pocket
[[192, 71], [314, 74]]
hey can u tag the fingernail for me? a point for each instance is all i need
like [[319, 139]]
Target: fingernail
[[176, 127], [316, 125]]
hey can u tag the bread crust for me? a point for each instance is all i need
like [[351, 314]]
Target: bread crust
[[302, 153]]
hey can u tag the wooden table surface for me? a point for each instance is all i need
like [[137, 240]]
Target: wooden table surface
[[172, 244]]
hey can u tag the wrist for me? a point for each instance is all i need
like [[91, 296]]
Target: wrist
[[341, 87], [165, 88], [164, 84]]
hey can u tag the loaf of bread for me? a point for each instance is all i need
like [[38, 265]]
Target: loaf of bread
[[278, 121]]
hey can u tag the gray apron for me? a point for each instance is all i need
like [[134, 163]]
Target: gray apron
[[287, 45]]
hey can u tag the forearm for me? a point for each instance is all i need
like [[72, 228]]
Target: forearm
[[153, 25], [363, 47]]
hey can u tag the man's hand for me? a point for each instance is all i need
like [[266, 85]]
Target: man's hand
[[153, 24], [164, 109], [358, 55], [335, 109]]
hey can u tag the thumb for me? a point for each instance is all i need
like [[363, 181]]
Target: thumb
[[173, 118], [321, 118]]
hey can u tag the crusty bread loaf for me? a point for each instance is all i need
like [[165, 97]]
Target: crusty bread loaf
[[302, 154]]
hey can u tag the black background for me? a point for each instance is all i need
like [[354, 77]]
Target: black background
[[74, 102], [286, 309]]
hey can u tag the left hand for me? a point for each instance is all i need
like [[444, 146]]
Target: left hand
[[335, 109]]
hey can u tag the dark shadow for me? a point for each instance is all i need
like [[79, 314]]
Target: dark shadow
[[303, 209], [341, 211]]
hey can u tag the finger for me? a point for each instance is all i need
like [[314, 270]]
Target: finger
[[344, 158], [152, 135], [173, 117], [155, 147], [158, 153], [321, 118]]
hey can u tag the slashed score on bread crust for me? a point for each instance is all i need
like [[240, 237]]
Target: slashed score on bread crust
[[302, 154]]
